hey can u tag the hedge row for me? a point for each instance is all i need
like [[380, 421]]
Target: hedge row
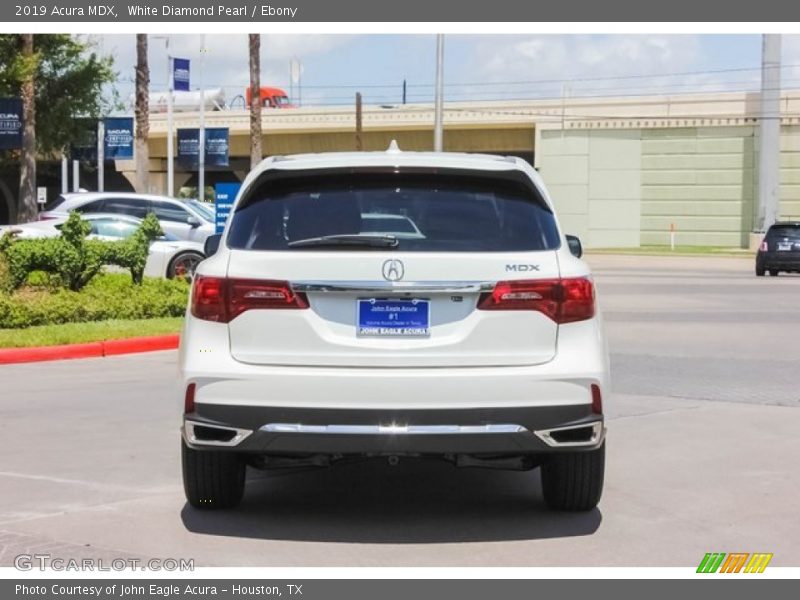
[[106, 296]]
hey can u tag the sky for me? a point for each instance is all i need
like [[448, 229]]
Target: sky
[[477, 67]]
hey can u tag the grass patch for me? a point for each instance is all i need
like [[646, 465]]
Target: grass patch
[[679, 251], [95, 331]]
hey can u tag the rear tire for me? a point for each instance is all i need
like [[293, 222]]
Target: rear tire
[[773, 272], [573, 481], [760, 271], [212, 479], [184, 264]]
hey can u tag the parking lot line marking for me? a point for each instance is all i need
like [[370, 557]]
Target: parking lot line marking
[[47, 478]]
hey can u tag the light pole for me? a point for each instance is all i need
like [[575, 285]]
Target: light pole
[[769, 131], [170, 141], [438, 136], [201, 142]]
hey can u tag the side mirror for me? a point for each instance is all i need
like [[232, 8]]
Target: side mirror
[[212, 244], [193, 222], [575, 247]]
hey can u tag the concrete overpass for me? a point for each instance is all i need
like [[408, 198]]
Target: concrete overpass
[[621, 170], [504, 127]]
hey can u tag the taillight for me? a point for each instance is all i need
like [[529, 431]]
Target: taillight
[[563, 300], [597, 400], [188, 400], [222, 300], [764, 246], [208, 299]]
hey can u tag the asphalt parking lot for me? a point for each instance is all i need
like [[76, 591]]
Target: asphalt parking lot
[[702, 454]]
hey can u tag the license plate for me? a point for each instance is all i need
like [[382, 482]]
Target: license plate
[[383, 317], [784, 246]]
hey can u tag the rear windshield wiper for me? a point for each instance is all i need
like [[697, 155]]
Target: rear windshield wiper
[[347, 239]]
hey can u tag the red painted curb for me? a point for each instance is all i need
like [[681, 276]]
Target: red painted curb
[[140, 344], [89, 350]]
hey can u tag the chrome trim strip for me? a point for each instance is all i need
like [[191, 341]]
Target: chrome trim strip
[[598, 433], [239, 435], [442, 287], [394, 429]]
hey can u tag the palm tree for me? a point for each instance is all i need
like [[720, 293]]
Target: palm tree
[[27, 208], [142, 114], [255, 99]]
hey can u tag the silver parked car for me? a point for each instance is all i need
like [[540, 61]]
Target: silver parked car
[[184, 219], [168, 256]]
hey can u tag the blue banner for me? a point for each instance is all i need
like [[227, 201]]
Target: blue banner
[[217, 149], [10, 123], [188, 148], [180, 74], [216, 146], [118, 142], [224, 195]]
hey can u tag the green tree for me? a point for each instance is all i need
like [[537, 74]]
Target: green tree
[[60, 79]]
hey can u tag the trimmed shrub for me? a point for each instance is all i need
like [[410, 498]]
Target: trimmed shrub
[[73, 258], [107, 296]]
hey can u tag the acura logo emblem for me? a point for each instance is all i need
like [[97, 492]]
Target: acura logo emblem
[[393, 270]]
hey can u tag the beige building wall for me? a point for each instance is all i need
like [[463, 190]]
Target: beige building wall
[[701, 179], [790, 172], [625, 187], [594, 178]]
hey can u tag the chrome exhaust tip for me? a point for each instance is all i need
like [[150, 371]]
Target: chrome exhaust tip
[[573, 436], [204, 434]]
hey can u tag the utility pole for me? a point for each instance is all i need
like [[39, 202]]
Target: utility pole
[[201, 142], [437, 123], [769, 132], [359, 142], [64, 172], [170, 141], [404, 91], [76, 176], [101, 159]]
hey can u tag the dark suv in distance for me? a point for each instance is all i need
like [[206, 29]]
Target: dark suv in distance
[[780, 250]]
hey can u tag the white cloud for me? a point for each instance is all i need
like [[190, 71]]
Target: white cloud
[[587, 64]]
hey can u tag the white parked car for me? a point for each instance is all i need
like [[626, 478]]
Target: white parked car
[[316, 332], [183, 219], [169, 257]]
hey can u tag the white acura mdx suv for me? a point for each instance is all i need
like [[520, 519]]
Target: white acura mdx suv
[[466, 330]]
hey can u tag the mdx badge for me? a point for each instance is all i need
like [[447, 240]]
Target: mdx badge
[[523, 268], [393, 270]]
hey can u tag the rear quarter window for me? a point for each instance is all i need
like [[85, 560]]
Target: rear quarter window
[[426, 213], [54, 203], [784, 231]]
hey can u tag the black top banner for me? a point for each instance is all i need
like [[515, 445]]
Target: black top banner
[[10, 123], [464, 11]]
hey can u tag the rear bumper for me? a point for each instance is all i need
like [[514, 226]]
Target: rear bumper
[[779, 260], [536, 399], [303, 431]]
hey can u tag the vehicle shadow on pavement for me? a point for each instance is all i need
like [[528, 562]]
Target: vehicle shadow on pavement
[[414, 502]]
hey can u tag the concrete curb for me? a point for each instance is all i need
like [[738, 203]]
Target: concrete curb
[[89, 350]]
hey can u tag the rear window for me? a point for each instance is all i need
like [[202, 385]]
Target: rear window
[[784, 231], [55, 203], [424, 213]]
